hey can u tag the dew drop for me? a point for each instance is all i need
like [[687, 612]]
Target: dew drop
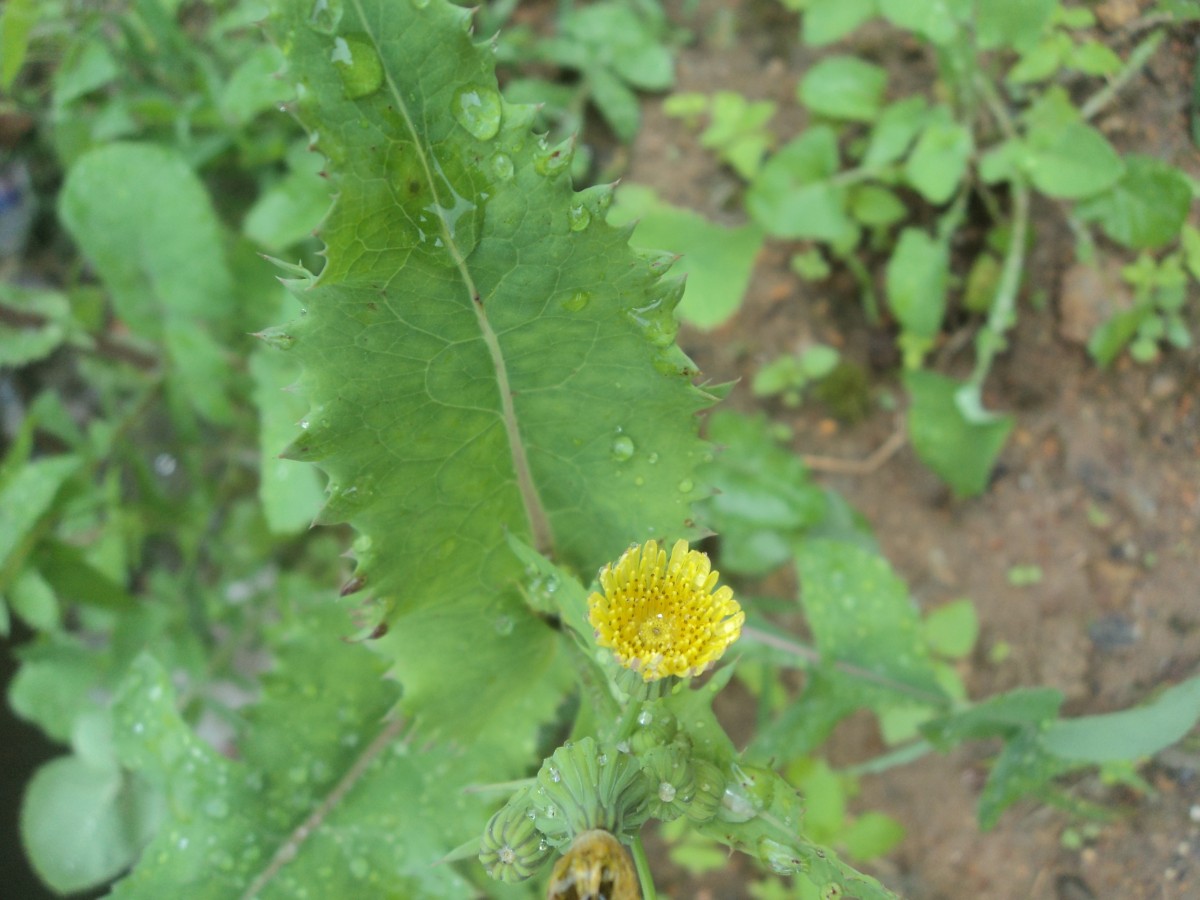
[[552, 161], [645, 717], [652, 458], [666, 792], [602, 759], [579, 217], [686, 486], [622, 448], [477, 109], [502, 166], [577, 301], [555, 775], [325, 16], [358, 65], [503, 625]]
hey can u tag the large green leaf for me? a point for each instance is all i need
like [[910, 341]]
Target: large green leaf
[[482, 352], [329, 796]]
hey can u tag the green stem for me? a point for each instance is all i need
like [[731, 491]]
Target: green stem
[[901, 756], [1137, 60], [643, 868], [865, 285], [1002, 313]]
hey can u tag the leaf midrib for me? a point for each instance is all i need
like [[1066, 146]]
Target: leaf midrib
[[535, 512]]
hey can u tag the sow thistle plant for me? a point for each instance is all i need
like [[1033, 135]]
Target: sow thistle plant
[[490, 383]]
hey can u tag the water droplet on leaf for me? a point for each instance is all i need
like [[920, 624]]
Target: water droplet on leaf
[[622, 448], [579, 217], [554, 160], [686, 486], [502, 166], [503, 625], [358, 65], [477, 109], [577, 301]]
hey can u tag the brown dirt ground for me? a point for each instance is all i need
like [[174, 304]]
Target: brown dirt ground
[[1099, 486]]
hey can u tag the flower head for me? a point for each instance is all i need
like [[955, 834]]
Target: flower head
[[662, 617]]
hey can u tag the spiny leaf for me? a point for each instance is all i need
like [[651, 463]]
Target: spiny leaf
[[482, 351]]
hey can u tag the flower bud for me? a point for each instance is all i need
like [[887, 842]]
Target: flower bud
[[709, 784], [512, 848], [656, 727], [584, 786], [672, 781]]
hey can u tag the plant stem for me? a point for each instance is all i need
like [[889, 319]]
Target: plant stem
[[901, 756], [643, 868], [1137, 60], [1002, 312], [1003, 309]]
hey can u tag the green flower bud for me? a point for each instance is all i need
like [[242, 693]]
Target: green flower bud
[[583, 787], [512, 848], [656, 727], [672, 780], [709, 783]]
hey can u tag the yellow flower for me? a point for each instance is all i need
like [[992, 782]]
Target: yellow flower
[[663, 617]]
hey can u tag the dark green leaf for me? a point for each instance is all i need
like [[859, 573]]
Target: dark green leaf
[[1146, 208], [1023, 769], [951, 629], [894, 130], [1131, 733], [876, 206], [1004, 715], [1013, 24], [81, 824], [717, 260], [16, 24], [765, 497], [25, 497], [792, 196], [482, 353], [916, 282], [1063, 156], [825, 21], [844, 87], [959, 451], [936, 20], [861, 615], [939, 160]]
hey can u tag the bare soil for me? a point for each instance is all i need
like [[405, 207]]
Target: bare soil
[[1099, 486]]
